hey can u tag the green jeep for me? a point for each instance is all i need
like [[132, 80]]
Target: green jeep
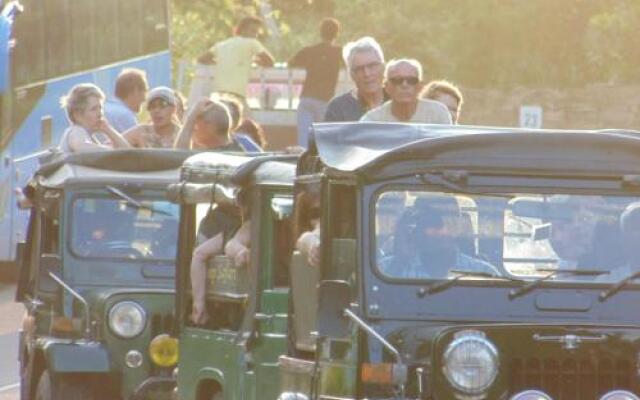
[[234, 355], [469, 263], [97, 278]]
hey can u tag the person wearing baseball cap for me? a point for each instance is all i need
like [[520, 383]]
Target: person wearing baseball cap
[[162, 131]]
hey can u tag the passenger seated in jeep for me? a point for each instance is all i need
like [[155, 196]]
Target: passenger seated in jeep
[[630, 227], [307, 227], [216, 230], [424, 248], [572, 231]]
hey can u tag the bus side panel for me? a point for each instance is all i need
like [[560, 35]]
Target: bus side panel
[[31, 133]]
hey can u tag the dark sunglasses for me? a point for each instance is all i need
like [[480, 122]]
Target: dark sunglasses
[[158, 103], [409, 80]]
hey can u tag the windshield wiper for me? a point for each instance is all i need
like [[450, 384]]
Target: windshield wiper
[[618, 286], [131, 202], [440, 286], [536, 283]]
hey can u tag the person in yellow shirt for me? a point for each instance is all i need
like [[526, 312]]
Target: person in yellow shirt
[[232, 58]]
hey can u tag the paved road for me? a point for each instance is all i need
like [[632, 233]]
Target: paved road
[[10, 317]]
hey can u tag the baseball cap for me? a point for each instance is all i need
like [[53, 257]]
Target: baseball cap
[[162, 92]]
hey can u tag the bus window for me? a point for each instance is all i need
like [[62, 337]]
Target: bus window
[[28, 55], [155, 28], [106, 46], [58, 30], [82, 35], [130, 16]]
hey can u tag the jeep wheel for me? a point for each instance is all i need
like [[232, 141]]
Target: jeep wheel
[[65, 388]]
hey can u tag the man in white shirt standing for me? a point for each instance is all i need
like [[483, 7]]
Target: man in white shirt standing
[[403, 83]]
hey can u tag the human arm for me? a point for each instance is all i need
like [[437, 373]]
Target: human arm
[[238, 247], [183, 140], [208, 57], [201, 255], [135, 136], [262, 56], [265, 59], [309, 245], [298, 60], [117, 140], [79, 140]]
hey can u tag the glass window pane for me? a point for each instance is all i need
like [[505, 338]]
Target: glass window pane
[[28, 55], [129, 32], [83, 27], [105, 41], [59, 57], [155, 26]]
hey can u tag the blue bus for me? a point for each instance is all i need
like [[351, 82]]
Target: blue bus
[[47, 47]]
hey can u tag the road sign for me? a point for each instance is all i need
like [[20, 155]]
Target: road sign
[[531, 117]]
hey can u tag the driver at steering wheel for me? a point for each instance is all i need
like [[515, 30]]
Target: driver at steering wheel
[[429, 250]]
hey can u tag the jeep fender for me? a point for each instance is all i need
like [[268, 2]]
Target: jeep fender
[[211, 374], [78, 357]]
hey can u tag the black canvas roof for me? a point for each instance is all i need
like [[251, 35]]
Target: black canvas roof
[[144, 165], [368, 148]]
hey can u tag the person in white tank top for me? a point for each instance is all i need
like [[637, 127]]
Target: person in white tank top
[[89, 131]]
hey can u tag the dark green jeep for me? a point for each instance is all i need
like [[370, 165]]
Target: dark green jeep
[[234, 353], [470, 263], [97, 278]]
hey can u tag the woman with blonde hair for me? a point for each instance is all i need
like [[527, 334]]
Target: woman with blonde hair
[[89, 130]]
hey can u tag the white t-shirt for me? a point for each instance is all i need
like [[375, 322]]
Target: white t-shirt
[[427, 112], [79, 131]]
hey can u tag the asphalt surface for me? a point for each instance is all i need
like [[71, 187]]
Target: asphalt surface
[[10, 317]]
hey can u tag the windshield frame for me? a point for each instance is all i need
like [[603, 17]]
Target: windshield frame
[[486, 184], [145, 194]]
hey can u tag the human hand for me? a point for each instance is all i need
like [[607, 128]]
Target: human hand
[[199, 314], [199, 108], [105, 127], [242, 258]]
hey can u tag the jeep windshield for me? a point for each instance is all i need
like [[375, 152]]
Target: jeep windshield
[[422, 235], [111, 228]]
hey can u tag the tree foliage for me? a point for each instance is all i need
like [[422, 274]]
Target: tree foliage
[[481, 43]]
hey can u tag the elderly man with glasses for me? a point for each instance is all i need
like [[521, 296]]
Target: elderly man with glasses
[[365, 62], [403, 83]]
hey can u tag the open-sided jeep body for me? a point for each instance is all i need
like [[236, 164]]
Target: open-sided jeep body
[[234, 355], [485, 264], [97, 277]]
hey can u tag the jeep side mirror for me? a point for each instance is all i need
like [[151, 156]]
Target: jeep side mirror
[[334, 298], [48, 263]]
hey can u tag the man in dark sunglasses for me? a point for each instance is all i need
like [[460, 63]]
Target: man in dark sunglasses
[[403, 83]]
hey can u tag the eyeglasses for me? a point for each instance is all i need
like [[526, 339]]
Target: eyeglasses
[[409, 80], [360, 69], [158, 103]]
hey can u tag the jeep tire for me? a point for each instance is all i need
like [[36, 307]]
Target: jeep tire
[[62, 388]]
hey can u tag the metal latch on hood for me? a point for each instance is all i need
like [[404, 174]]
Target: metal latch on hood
[[569, 341]]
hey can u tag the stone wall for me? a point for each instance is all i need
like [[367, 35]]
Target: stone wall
[[592, 107]]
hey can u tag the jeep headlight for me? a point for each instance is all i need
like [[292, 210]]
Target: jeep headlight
[[619, 395], [470, 362], [127, 319]]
